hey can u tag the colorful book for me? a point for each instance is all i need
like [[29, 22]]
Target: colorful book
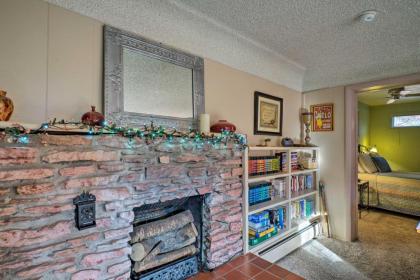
[[256, 234]]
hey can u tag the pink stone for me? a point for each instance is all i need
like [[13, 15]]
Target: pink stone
[[98, 258], [237, 171], [89, 182], [17, 155], [98, 155], [35, 189], [120, 267], [204, 190], [18, 237], [188, 157], [111, 194], [51, 209], [165, 171], [234, 193], [111, 234], [90, 274], [197, 172], [25, 174], [235, 226], [7, 211], [231, 162], [77, 170], [67, 140]]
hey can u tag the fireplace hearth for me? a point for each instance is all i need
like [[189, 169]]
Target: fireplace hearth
[[167, 239]]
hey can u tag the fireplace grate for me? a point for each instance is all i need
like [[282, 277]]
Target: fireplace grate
[[179, 270]]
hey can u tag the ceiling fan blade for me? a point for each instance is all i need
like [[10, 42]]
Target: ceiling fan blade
[[390, 101]]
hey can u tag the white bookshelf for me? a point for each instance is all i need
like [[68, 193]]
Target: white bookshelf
[[292, 226]]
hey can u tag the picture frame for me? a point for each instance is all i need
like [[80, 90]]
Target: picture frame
[[323, 117], [268, 114]]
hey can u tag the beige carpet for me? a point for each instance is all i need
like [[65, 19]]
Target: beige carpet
[[389, 248]]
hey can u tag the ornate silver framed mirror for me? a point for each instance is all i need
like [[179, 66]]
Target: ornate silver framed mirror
[[146, 81]]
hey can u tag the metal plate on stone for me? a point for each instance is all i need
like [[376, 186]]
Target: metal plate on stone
[[179, 270]]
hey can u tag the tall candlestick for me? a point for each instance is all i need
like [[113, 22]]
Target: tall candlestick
[[204, 123]]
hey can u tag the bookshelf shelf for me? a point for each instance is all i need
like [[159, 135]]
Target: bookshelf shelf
[[269, 177], [267, 205], [306, 199]]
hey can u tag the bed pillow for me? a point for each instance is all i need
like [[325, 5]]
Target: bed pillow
[[381, 164], [367, 164]]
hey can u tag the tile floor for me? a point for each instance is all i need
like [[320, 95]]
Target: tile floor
[[248, 267]]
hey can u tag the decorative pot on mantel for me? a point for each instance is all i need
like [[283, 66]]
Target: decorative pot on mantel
[[222, 125], [93, 118], [6, 106]]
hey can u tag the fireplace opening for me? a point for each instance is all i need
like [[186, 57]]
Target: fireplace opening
[[167, 240]]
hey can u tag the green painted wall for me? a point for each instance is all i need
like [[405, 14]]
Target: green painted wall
[[364, 124], [400, 146]]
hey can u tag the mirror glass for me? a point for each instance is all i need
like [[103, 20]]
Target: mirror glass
[[156, 87]]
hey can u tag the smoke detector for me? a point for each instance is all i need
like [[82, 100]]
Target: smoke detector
[[368, 16]]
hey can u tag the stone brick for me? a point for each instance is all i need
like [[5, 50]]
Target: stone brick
[[42, 268], [4, 191], [237, 171], [77, 170], [104, 223], [234, 218], [125, 276], [35, 189], [111, 194], [134, 158], [204, 190], [235, 193], [132, 177], [197, 172], [98, 155], [19, 237], [188, 157], [230, 162], [90, 182], [65, 140], [26, 174], [120, 267], [89, 274], [226, 175], [7, 211], [113, 206], [17, 155], [112, 167], [70, 252], [164, 159], [111, 234], [98, 258], [83, 239], [49, 209], [128, 216], [166, 171]]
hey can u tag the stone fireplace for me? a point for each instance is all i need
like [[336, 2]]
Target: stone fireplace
[[38, 181]]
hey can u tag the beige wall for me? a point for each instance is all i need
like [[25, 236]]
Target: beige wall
[[230, 96], [51, 65], [51, 60], [332, 146]]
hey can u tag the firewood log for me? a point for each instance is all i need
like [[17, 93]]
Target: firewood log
[[162, 259], [159, 227], [164, 243]]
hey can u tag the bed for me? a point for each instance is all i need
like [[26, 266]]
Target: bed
[[394, 191]]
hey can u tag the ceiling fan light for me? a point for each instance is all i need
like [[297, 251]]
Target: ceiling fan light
[[390, 101]]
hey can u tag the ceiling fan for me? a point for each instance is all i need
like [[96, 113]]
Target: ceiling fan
[[403, 92]]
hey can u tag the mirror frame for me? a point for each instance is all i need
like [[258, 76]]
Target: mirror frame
[[114, 42]]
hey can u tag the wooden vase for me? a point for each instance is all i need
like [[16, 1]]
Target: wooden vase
[[6, 106]]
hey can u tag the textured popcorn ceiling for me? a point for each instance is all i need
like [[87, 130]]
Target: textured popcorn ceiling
[[278, 40]]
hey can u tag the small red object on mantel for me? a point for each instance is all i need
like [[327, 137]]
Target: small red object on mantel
[[222, 125], [93, 118]]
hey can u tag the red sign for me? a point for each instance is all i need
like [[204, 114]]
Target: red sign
[[323, 117]]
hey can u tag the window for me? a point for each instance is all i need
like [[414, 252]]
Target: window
[[406, 121]]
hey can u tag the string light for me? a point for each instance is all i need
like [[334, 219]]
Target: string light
[[149, 133]]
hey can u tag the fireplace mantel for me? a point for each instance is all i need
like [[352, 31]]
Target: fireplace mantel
[[39, 180]]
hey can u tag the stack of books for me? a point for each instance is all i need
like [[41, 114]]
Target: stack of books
[[259, 192], [283, 161], [260, 228], [301, 183], [263, 165], [302, 209]]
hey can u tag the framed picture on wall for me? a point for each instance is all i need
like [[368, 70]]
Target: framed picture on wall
[[323, 117], [268, 114]]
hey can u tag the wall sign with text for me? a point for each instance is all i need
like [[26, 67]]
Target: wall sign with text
[[323, 117]]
